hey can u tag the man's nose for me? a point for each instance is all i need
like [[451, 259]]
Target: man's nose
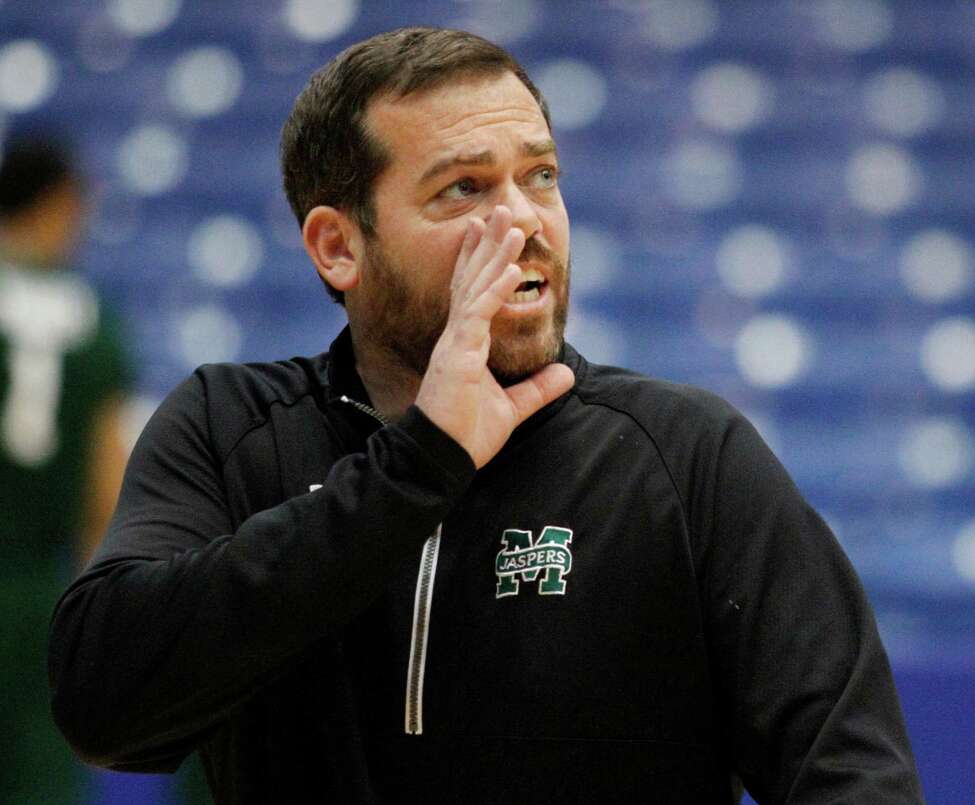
[[524, 216]]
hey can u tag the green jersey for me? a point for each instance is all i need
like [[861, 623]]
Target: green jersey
[[60, 359]]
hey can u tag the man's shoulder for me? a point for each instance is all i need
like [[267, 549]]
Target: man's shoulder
[[653, 402], [226, 401], [685, 425], [262, 384]]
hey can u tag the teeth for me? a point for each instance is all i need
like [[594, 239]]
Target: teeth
[[528, 276], [526, 296]]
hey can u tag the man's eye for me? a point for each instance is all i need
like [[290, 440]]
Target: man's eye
[[462, 188], [545, 178]]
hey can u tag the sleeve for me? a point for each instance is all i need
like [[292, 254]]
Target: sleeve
[[179, 618], [803, 683]]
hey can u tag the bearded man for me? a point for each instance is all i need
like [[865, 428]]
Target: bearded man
[[449, 560]]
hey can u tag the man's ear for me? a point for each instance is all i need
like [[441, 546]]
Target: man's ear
[[333, 243]]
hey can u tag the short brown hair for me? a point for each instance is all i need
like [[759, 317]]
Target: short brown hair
[[328, 156]]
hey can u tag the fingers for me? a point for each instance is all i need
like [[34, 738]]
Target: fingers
[[504, 256], [540, 389], [487, 249], [473, 321], [492, 299], [480, 241], [475, 231], [485, 275]]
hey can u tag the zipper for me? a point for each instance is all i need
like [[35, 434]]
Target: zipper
[[365, 409], [421, 629], [422, 603]]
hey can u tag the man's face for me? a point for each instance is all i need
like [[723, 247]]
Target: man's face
[[458, 151]]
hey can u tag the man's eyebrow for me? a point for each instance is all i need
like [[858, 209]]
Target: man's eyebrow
[[539, 148], [532, 149], [445, 164]]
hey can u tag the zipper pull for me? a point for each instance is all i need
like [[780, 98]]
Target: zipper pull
[[365, 409]]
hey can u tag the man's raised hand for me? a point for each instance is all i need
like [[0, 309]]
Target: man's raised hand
[[458, 392]]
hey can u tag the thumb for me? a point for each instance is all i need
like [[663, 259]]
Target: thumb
[[540, 389]]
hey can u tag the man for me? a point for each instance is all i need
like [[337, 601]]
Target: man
[[450, 560], [62, 377]]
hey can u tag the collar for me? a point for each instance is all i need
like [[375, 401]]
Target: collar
[[342, 379]]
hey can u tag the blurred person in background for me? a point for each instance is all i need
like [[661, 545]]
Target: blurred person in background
[[63, 377]]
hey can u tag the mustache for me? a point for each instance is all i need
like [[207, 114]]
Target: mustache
[[535, 251]]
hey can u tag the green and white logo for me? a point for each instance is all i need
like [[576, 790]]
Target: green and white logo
[[522, 559]]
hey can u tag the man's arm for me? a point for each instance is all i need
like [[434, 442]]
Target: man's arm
[[181, 616], [803, 681]]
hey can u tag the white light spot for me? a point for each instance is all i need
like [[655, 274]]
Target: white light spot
[[680, 24], [936, 452], [753, 261], [143, 17], [882, 179], [499, 21], [936, 265], [772, 351], [225, 251], [702, 175], [596, 337], [854, 25], [204, 82], [28, 75], [576, 92], [596, 261], [730, 97], [948, 354], [208, 334], [963, 552], [152, 159], [320, 20], [903, 102]]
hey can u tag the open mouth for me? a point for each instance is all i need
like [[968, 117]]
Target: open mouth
[[531, 287]]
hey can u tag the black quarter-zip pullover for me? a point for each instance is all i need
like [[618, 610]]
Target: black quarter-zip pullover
[[630, 603]]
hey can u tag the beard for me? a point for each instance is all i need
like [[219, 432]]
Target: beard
[[406, 323]]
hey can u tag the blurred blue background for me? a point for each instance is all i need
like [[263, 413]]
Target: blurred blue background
[[774, 200]]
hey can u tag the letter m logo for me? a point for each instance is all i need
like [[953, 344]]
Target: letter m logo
[[521, 559]]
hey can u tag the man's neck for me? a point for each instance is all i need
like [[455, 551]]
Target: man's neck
[[392, 388]]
